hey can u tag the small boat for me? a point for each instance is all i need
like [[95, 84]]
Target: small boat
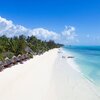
[[70, 57], [63, 57], [59, 52]]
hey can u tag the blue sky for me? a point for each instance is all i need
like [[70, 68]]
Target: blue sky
[[54, 15]]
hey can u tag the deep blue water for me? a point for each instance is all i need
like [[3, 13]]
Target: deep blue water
[[88, 59]]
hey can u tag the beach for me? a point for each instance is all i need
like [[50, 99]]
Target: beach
[[51, 76]]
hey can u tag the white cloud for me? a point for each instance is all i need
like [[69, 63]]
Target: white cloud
[[69, 34], [5, 25], [44, 34], [8, 28]]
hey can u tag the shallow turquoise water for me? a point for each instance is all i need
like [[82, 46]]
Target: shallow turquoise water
[[88, 60]]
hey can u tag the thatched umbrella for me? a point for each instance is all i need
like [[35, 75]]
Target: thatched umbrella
[[27, 56], [23, 57], [7, 62], [19, 58], [14, 60]]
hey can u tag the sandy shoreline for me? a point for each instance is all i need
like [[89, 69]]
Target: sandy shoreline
[[46, 77]]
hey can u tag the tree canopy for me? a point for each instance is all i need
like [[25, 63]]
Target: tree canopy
[[17, 45]]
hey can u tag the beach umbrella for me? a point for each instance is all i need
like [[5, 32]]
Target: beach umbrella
[[27, 56], [23, 57], [14, 59], [19, 58], [7, 62], [6, 58]]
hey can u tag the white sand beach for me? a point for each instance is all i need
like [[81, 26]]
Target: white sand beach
[[46, 77]]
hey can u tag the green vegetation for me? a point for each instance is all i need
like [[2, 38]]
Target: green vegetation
[[22, 45]]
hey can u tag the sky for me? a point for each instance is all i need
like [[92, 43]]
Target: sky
[[74, 22]]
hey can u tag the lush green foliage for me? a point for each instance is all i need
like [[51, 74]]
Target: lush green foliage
[[17, 45]]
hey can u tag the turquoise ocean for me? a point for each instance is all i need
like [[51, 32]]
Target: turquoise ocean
[[88, 60]]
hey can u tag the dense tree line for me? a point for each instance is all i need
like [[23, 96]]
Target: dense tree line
[[21, 45]]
